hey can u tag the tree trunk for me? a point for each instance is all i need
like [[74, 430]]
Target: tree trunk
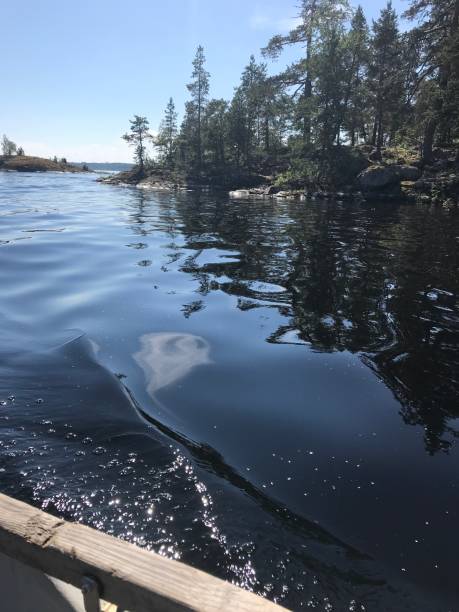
[[429, 137], [267, 138], [380, 140], [308, 85], [307, 117], [199, 147], [375, 132]]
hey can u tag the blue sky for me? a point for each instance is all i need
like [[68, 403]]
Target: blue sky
[[73, 73]]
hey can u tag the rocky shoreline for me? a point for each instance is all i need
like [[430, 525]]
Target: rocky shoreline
[[381, 181], [377, 183]]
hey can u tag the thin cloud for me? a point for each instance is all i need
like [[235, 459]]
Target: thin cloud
[[262, 22]]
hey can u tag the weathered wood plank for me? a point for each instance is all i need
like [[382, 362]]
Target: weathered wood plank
[[128, 576]]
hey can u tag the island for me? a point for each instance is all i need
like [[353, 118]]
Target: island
[[364, 110], [26, 163]]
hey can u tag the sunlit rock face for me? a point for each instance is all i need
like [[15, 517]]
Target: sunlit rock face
[[168, 357]]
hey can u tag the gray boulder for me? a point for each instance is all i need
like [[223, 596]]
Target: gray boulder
[[407, 173], [376, 178]]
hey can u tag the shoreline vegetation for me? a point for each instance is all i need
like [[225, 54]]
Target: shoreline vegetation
[[366, 110]]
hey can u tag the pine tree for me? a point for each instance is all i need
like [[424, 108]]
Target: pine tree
[[199, 89], [437, 37], [138, 138], [314, 14]]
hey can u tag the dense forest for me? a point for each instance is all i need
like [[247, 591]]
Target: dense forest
[[354, 85]]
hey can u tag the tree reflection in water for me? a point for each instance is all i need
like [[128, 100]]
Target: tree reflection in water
[[379, 281]]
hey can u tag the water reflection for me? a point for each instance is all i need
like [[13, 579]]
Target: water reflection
[[377, 281], [361, 283]]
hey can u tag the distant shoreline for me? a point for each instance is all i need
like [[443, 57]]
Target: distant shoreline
[[26, 163], [106, 166]]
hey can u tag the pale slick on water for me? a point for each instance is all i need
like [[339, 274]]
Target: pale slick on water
[[167, 357]]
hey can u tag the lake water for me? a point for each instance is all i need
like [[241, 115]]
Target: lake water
[[267, 390]]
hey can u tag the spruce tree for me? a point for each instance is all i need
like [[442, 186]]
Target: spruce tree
[[199, 89], [237, 128], [216, 130], [167, 135], [385, 73], [253, 92], [330, 87], [353, 117]]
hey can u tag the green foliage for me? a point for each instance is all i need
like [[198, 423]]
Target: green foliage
[[301, 174], [341, 165], [401, 154], [336, 167]]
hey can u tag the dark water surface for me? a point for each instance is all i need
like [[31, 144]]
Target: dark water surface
[[266, 390]]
